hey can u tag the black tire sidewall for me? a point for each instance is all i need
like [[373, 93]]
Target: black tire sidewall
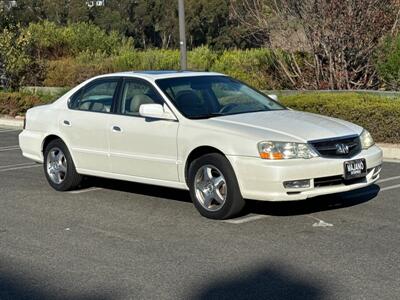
[[72, 177], [234, 202]]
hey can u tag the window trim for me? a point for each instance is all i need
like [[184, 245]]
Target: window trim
[[79, 93]]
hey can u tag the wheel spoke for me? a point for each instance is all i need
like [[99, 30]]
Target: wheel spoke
[[218, 197], [59, 157], [59, 178], [63, 168], [201, 185], [207, 174], [54, 176], [207, 200], [218, 181]]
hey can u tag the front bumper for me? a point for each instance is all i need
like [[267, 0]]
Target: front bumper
[[263, 179]]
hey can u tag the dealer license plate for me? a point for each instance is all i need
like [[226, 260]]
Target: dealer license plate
[[355, 169]]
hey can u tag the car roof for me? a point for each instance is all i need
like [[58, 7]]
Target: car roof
[[154, 75]]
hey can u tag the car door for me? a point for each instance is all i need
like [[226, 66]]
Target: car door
[[85, 124], [139, 146]]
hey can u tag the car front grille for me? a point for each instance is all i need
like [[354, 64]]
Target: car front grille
[[344, 147]]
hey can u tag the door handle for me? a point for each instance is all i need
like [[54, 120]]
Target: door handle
[[67, 123], [116, 129]]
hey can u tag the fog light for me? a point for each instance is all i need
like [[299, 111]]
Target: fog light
[[297, 184]]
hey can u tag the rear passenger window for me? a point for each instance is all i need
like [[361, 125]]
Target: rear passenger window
[[97, 97]]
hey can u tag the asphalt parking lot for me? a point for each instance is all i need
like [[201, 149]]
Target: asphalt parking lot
[[120, 240]]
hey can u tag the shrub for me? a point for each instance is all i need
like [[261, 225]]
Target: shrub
[[88, 37], [378, 114], [201, 59], [254, 67], [25, 51], [54, 41], [69, 72], [15, 51], [48, 39], [158, 59], [127, 61], [17, 103]]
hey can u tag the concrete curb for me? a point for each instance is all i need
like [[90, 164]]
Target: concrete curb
[[14, 123], [390, 151]]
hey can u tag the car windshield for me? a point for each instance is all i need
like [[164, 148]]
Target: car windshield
[[211, 96]]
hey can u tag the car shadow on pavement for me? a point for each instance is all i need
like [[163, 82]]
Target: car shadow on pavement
[[16, 288], [313, 205], [137, 188], [279, 208], [268, 282]]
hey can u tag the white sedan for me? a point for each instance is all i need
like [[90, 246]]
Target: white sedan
[[203, 132]]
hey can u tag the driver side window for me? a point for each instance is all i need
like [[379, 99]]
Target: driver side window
[[136, 93]]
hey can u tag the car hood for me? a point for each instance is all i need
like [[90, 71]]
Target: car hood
[[288, 125]]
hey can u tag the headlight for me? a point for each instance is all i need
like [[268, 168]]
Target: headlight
[[366, 140], [282, 150]]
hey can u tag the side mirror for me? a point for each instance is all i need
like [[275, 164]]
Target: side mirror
[[156, 111], [274, 97]]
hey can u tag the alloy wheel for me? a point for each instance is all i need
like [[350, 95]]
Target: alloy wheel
[[210, 188]]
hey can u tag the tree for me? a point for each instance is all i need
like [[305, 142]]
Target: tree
[[155, 23], [78, 11], [210, 23], [56, 11], [25, 12], [342, 36], [256, 18], [15, 56]]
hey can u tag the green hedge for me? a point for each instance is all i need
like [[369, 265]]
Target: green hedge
[[379, 115]]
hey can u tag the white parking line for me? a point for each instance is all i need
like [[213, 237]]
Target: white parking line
[[388, 188], [389, 179], [19, 168], [4, 149], [17, 165], [320, 223], [93, 189], [9, 147], [246, 219]]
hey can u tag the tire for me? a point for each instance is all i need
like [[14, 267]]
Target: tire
[[212, 177], [59, 167]]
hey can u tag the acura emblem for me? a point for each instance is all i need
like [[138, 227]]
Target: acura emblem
[[342, 149]]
